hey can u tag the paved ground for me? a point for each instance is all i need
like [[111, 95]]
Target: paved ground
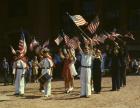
[[127, 97]]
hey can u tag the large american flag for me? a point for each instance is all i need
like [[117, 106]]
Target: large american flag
[[22, 45], [93, 25], [78, 20]]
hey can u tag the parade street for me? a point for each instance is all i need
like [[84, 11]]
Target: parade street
[[127, 97]]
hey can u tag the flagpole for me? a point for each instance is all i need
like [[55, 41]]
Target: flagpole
[[82, 32]]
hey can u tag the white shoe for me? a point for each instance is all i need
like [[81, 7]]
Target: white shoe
[[46, 95], [71, 88], [92, 89], [68, 91], [43, 91]]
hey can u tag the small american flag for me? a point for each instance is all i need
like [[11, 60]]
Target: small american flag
[[33, 44], [58, 40], [110, 36], [115, 34], [129, 35], [46, 43], [95, 40], [66, 39], [70, 42], [78, 20], [22, 45], [103, 38], [93, 25]]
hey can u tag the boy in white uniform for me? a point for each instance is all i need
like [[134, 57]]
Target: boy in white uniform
[[85, 74], [46, 64], [20, 67]]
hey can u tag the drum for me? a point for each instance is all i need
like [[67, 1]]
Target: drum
[[44, 78]]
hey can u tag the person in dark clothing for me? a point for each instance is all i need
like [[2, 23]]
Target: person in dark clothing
[[124, 60], [115, 67], [5, 70], [58, 65], [96, 72]]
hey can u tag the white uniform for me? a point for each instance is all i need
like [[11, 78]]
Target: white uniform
[[85, 74], [20, 67], [46, 65]]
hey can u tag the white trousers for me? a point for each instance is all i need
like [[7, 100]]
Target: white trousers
[[47, 88], [85, 79], [19, 82]]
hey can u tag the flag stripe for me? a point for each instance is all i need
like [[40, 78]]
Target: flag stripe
[[78, 20], [70, 42], [22, 46], [93, 25]]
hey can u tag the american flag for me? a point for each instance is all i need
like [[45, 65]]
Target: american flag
[[22, 45], [33, 44], [66, 39], [46, 43], [96, 40], [102, 38], [78, 20], [129, 35], [110, 36], [114, 34], [58, 40], [93, 25], [70, 42]]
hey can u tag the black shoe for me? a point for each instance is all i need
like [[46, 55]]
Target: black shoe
[[118, 89], [5, 84], [16, 94], [96, 92], [113, 90], [21, 95], [124, 85], [82, 96]]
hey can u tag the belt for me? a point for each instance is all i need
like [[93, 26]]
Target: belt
[[45, 68], [20, 68], [86, 66]]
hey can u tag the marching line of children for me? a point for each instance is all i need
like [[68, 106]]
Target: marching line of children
[[90, 70]]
